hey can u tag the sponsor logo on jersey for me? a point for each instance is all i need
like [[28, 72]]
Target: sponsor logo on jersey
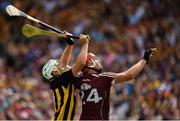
[[85, 86]]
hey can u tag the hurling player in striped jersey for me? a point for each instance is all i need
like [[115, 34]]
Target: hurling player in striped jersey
[[61, 79]]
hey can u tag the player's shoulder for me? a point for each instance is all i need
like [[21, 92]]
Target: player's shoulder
[[66, 69], [81, 75], [107, 74], [66, 74], [78, 76]]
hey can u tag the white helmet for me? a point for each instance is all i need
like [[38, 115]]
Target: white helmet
[[48, 68]]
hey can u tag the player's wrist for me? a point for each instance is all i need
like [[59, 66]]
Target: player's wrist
[[146, 59], [69, 41], [146, 55]]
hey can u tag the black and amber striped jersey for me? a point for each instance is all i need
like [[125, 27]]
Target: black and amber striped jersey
[[62, 88]]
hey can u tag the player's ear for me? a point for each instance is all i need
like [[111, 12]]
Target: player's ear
[[89, 63]]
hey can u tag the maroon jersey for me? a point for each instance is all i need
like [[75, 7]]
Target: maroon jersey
[[95, 93]]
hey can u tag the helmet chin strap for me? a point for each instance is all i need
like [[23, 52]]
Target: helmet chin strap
[[93, 67]]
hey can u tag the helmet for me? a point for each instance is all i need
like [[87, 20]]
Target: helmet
[[48, 68], [93, 62]]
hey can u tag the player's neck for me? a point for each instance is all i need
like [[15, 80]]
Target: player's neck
[[91, 71]]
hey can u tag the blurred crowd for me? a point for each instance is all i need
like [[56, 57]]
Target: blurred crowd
[[120, 31]]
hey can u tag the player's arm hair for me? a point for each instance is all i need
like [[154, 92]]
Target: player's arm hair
[[131, 72], [81, 59], [65, 57]]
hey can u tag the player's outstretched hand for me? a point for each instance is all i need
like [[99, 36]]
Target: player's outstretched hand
[[69, 40], [149, 53], [84, 38]]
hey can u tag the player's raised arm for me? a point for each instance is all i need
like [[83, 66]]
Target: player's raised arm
[[136, 69], [81, 59], [65, 57]]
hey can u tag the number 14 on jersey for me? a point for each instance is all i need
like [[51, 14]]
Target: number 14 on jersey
[[93, 96]]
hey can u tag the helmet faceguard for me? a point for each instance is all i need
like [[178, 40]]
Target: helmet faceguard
[[48, 68], [93, 62]]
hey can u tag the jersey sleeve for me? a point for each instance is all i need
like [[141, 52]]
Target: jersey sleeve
[[63, 80], [76, 84]]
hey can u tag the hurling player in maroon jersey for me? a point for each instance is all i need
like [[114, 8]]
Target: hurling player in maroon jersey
[[94, 85]]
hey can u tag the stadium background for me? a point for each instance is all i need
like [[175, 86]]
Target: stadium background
[[120, 30]]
